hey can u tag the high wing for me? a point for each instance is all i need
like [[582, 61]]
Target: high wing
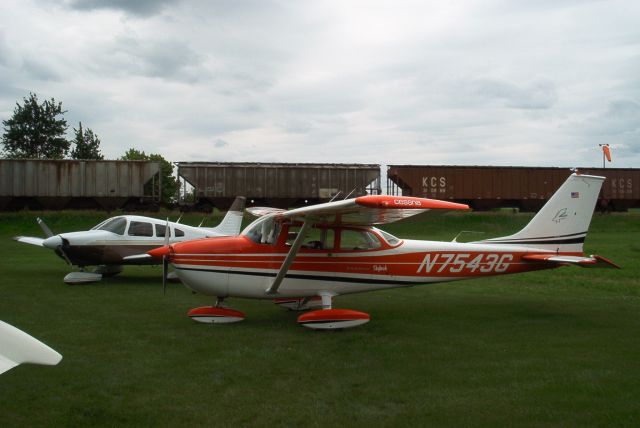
[[366, 210], [360, 211], [30, 240], [583, 261]]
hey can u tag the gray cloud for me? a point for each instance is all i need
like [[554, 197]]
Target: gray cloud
[[407, 82], [135, 7], [539, 94]]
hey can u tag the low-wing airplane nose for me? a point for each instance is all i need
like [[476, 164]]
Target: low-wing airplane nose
[[53, 242], [160, 252]]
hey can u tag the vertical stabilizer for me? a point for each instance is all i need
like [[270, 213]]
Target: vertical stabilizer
[[232, 221], [562, 223]]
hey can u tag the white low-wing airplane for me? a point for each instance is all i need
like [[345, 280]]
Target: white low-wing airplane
[[110, 244], [17, 347], [304, 257]]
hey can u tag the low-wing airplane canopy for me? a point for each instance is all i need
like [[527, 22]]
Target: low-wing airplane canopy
[[367, 210]]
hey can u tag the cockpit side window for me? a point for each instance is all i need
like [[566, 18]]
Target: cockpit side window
[[358, 240], [116, 225], [316, 239], [140, 228]]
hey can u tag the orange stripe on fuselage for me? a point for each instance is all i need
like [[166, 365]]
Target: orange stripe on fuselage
[[416, 264]]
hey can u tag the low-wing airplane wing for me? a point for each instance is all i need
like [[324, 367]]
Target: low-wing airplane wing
[[368, 210], [30, 240], [583, 261], [17, 347], [361, 211]]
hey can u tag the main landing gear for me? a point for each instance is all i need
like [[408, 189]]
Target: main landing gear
[[216, 314], [332, 319], [319, 319]]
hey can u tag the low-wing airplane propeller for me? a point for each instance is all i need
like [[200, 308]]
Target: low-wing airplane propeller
[[165, 260], [124, 240], [303, 258]]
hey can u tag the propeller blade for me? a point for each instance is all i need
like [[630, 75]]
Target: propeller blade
[[165, 272], [167, 233], [47, 232]]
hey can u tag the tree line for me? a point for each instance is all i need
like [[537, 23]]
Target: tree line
[[38, 131]]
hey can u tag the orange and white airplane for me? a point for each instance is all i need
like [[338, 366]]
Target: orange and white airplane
[[305, 257]]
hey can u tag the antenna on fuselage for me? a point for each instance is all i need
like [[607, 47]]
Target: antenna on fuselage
[[336, 195], [464, 231], [350, 193]]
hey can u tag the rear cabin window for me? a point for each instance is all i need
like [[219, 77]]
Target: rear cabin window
[[140, 228], [160, 229], [116, 225], [179, 232], [358, 240]]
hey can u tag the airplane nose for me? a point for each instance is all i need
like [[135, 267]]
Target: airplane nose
[[160, 252], [52, 242]]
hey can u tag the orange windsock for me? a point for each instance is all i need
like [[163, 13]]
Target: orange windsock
[[606, 151]]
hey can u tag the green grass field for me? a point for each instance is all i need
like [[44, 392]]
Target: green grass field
[[552, 348]]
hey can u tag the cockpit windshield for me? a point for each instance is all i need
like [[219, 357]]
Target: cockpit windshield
[[391, 240], [115, 225], [263, 231]]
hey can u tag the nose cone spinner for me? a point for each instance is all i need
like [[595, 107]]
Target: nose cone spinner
[[52, 242], [160, 252]]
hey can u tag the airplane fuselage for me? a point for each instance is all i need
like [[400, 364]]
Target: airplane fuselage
[[239, 267]]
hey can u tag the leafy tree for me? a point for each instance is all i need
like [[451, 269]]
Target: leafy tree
[[169, 181], [87, 144], [35, 131]]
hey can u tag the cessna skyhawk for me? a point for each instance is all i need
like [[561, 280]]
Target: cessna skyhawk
[[307, 256], [108, 244]]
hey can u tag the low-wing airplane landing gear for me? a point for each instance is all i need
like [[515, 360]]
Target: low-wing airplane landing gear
[[332, 319], [216, 314]]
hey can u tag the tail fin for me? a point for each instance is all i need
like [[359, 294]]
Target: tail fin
[[562, 223], [232, 221]]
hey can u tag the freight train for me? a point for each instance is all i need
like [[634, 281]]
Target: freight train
[[79, 184], [134, 185], [524, 188]]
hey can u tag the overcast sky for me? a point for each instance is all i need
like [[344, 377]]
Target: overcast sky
[[392, 82]]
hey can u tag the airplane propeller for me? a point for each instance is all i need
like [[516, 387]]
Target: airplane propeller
[[165, 259], [47, 232], [55, 242]]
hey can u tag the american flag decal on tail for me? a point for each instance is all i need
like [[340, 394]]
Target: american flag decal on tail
[[575, 195]]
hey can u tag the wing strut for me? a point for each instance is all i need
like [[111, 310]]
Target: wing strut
[[273, 289]]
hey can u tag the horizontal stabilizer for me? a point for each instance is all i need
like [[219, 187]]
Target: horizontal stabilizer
[[30, 240], [17, 347], [583, 261]]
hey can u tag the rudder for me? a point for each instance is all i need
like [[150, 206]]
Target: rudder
[[562, 223]]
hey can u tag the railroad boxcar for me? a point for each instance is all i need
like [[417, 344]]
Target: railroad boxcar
[[525, 188], [216, 184], [79, 184]]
